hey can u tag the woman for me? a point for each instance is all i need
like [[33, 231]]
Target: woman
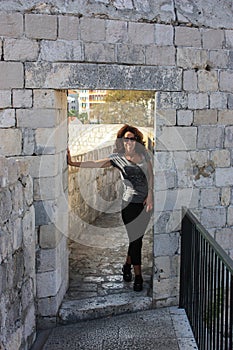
[[133, 161]]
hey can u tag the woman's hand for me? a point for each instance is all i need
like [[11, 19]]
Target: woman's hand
[[69, 161], [149, 201]]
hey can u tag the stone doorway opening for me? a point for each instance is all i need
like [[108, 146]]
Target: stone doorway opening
[[97, 237]]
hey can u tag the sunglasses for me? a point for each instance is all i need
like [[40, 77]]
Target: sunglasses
[[127, 139]]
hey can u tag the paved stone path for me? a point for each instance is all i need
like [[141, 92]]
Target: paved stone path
[[97, 256], [163, 329]]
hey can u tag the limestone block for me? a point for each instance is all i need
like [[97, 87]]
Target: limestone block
[[226, 81], [167, 221], [175, 199], [229, 38], [51, 259], [130, 53], [177, 138], [190, 80], [207, 81], [43, 166], [166, 244], [5, 98], [49, 98], [61, 50], [5, 205], [68, 28], [166, 266], [219, 58], [185, 36], [28, 141], [29, 241], [17, 200], [171, 100], [224, 177], [164, 35], [30, 321], [99, 52], [225, 117], [49, 236], [224, 237], [48, 187], [22, 98], [10, 142], [116, 32], [213, 217], [45, 140], [221, 158], [205, 117], [184, 117], [11, 24], [160, 55], [39, 26], [209, 197], [7, 118], [213, 39], [225, 196], [163, 160], [45, 212], [48, 283], [218, 100], [165, 117], [228, 137], [166, 288], [141, 33], [21, 50], [37, 118], [92, 29], [198, 100], [191, 58], [104, 76], [165, 180], [49, 306], [11, 75], [230, 101], [230, 216], [210, 137]]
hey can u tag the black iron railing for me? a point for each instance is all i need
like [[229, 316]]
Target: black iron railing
[[206, 286]]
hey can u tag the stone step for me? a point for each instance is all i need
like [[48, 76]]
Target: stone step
[[72, 311]]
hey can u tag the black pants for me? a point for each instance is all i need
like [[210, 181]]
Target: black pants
[[136, 220]]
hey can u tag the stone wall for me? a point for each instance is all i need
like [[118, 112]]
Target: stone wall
[[17, 256], [91, 191], [182, 50]]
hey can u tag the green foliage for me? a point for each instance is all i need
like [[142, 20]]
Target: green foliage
[[123, 106]]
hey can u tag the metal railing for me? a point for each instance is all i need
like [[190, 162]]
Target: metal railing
[[206, 286]]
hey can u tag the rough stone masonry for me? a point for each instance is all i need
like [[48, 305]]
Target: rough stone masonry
[[181, 50]]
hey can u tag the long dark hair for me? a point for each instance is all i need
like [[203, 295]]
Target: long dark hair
[[140, 144]]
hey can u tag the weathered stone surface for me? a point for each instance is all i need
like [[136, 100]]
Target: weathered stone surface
[[205, 117], [41, 26], [68, 27], [11, 75], [21, 50], [187, 37], [7, 147], [61, 50], [213, 39], [7, 118], [5, 98], [210, 137], [224, 177], [71, 75], [22, 98], [177, 138], [11, 24], [160, 55], [213, 217]]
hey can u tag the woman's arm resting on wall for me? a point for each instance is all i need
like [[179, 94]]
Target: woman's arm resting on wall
[[101, 163]]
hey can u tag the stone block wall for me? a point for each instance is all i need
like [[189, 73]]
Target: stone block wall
[[181, 50], [91, 192], [17, 256]]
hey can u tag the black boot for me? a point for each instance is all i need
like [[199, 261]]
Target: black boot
[[138, 283], [127, 274]]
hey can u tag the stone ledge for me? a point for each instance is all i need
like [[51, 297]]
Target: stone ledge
[[93, 308]]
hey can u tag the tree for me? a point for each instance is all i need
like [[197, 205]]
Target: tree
[[123, 106]]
